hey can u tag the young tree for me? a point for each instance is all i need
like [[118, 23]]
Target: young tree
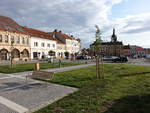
[[98, 53], [11, 54]]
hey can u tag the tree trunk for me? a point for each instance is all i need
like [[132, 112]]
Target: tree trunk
[[99, 67]]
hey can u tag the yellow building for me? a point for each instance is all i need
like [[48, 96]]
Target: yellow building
[[14, 42]]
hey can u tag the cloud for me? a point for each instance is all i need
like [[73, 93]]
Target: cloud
[[133, 24], [77, 17]]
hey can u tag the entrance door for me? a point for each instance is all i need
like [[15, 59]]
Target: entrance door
[[35, 55]]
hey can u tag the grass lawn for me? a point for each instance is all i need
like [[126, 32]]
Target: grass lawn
[[30, 67], [125, 89]]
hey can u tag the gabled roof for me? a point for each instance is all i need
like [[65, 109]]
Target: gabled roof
[[38, 33]]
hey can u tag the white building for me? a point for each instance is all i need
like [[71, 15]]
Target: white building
[[76, 46], [71, 44], [42, 44]]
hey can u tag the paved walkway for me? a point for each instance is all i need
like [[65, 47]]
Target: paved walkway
[[56, 70], [18, 97]]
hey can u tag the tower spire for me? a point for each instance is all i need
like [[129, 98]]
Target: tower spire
[[113, 37], [113, 31]]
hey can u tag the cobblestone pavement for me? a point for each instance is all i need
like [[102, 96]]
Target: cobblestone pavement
[[31, 96], [35, 95], [4, 109]]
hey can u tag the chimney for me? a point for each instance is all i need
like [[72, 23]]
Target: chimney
[[60, 31], [55, 30], [71, 35]]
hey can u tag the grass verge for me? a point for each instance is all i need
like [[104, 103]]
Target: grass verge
[[125, 89], [30, 67]]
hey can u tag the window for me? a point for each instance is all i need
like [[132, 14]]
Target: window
[[35, 44], [1, 40], [53, 45], [18, 40], [12, 39], [48, 45], [27, 40], [6, 39], [42, 44], [23, 40]]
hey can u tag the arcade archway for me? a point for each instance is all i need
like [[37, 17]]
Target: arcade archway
[[3, 54], [25, 53], [15, 53], [52, 53]]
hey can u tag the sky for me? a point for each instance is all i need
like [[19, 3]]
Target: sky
[[130, 18]]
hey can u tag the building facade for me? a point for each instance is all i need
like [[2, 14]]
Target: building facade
[[137, 51], [42, 44], [14, 41], [22, 43], [127, 51], [112, 48], [66, 43]]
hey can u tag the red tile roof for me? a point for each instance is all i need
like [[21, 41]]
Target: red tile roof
[[140, 49], [38, 33], [59, 41], [67, 36], [8, 24]]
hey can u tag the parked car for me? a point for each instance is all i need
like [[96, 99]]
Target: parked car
[[83, 57], [120, 59], [80, 57], [109, 58], [87, 57]]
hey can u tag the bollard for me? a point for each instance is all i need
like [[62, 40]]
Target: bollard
[[37, 66]]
